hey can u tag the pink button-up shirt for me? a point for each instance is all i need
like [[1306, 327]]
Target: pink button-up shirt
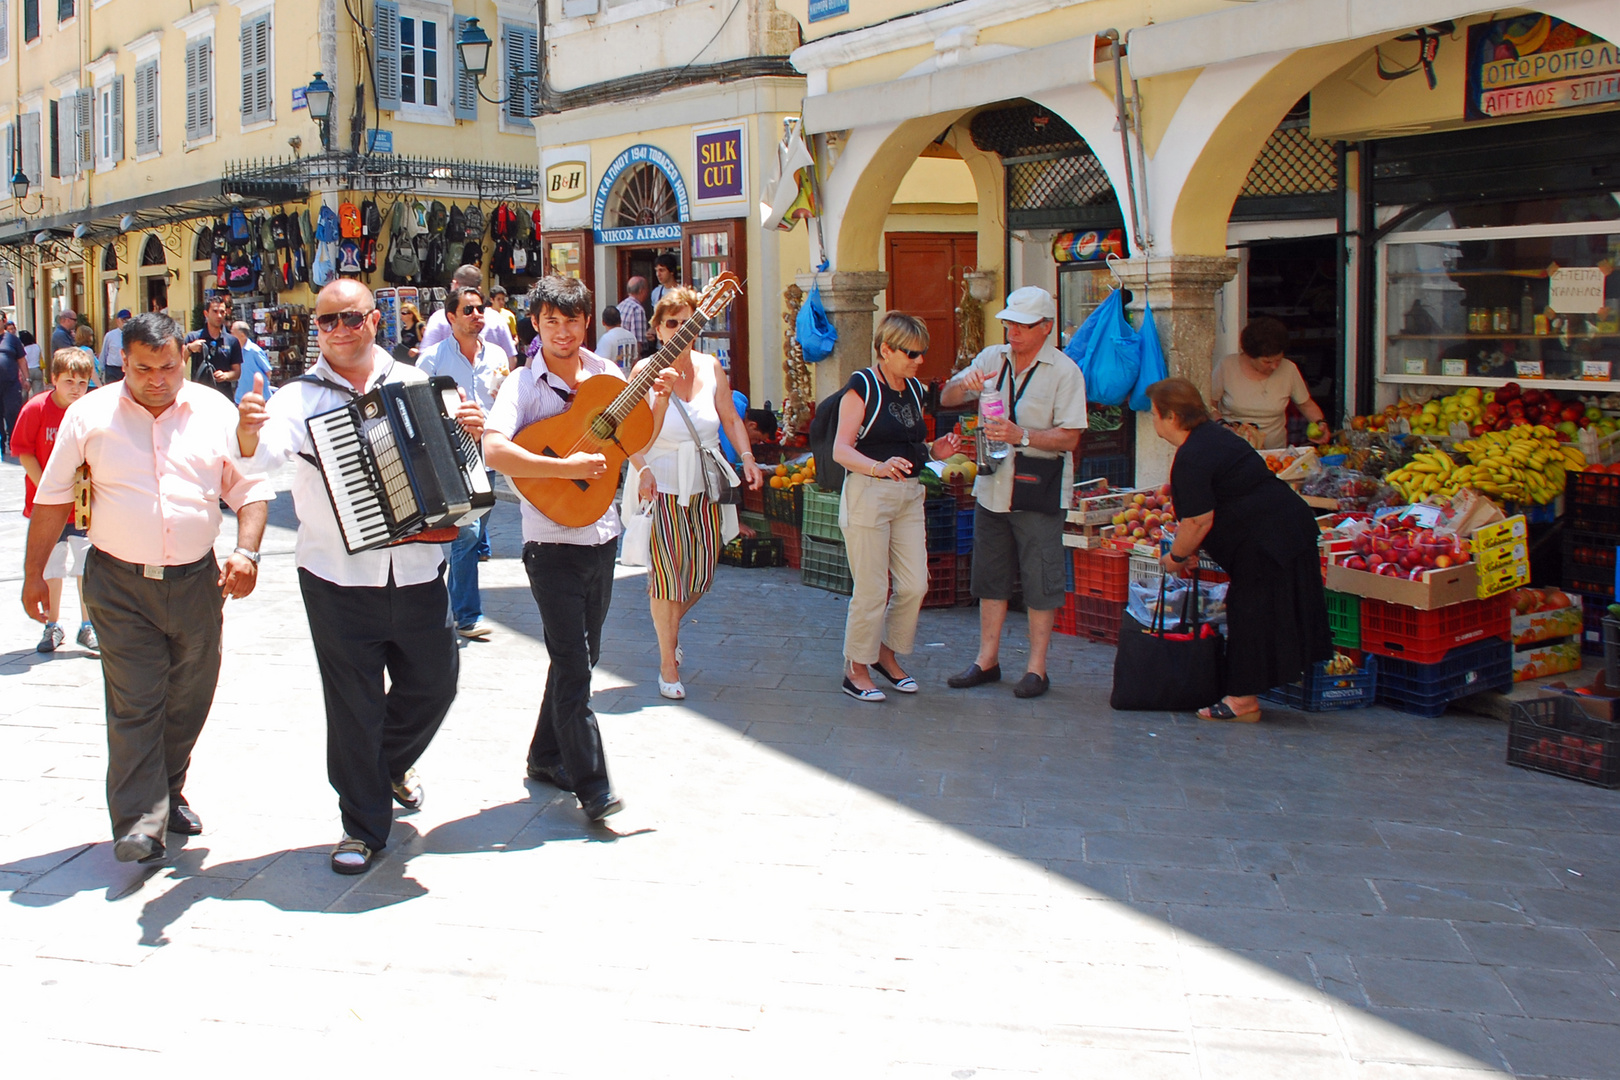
[[155, 482]]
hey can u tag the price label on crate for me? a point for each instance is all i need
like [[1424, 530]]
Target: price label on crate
[[1417, 365], [1454, 368], [1527, 369], [1596, 370]]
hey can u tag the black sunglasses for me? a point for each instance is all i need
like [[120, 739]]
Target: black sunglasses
[[674, 324], [473, 310], [351, 319]]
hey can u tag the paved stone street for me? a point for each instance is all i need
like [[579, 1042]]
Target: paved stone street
[[957, 885]]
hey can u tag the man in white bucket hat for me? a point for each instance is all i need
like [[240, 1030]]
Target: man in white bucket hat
[[1018, 521]]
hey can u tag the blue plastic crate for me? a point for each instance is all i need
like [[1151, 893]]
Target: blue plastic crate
[[964, 522], [1117, 470], [1321, 692], [964, 544], [1427, 689]]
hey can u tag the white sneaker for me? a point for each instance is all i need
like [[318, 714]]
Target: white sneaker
[[87, 638], [477, 631]]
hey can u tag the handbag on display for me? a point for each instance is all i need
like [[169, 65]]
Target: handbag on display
[[721, 483], [1168, 672]]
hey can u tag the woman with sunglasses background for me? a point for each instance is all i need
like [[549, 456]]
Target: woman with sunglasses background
[[882, 440], [688, 529]]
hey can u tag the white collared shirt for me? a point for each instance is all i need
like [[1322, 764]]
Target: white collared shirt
[[532, 394], [1055, 398], [320, 541], [479, 381]]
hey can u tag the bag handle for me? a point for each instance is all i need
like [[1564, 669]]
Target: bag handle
[[1190, 621]]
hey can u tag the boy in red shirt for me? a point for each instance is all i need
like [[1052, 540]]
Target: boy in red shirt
[[32, 440]]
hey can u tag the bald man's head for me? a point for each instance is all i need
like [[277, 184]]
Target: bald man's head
[[637, 287], [467, 276], [346, 320]]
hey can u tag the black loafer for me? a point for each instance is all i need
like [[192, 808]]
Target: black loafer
[[600, 806], [1032, 685], [138, 848], [183, 819], [555, 775], [974, 676]]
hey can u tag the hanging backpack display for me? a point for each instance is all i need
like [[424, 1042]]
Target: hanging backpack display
[[1108, 351], [474, 223], [814, 331], [239, 226], [455, 226], [348, 261], [370, 220]]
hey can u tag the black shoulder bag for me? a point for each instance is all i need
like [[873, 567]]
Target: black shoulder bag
[[1155, 671], [1037, 481]]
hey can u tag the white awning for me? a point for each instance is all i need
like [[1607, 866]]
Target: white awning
[[1273, 26], [953, 88]]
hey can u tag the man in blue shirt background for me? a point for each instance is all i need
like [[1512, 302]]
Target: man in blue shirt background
[[255, 361]]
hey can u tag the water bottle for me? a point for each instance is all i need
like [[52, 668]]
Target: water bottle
[[992, 452]]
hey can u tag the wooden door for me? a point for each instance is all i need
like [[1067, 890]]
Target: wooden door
[[925, 280]]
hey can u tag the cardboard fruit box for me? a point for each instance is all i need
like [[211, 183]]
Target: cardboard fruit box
[[1546, 658], [1435, 589], [1548, 625]]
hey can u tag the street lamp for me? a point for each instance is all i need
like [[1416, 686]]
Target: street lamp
[[473, 48], [19, 184], [318, 96]]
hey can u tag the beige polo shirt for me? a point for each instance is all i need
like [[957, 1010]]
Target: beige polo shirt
[[1055, 398]]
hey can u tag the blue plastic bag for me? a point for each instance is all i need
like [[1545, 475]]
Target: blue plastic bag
[[1153, 367], [1108, 352], [815, 332]]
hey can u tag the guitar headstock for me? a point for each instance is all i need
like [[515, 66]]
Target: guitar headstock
[[725, 288]]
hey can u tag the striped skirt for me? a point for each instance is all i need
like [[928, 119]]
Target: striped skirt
[[685, 547]]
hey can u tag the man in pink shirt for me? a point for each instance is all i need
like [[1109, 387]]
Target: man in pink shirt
[[158, 449]]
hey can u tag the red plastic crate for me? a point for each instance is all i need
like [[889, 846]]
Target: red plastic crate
[[1592, 502], [1098, 619], [964, 578], [792, 549], [1425, 637], [1066, 620], [941, 581], [1102, 573]]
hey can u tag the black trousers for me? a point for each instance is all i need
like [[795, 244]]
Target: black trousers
[[11, 403], [160, 665], [374, 736], [573, 586]]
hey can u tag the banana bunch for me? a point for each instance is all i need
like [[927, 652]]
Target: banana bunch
[[1430, 472], [1522, 464], [1340, 665]]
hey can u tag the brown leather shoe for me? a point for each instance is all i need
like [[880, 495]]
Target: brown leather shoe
[[974, 676]]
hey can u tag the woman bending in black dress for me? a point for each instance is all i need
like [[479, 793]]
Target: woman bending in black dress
[[1264, 537]]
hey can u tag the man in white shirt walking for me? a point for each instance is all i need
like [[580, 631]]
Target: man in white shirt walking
[[616, 343], [112, 347], [476, 365], [496, 329], [375, 614]]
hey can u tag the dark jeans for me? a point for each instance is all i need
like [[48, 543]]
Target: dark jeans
[[573, 586], [373, 737], [11, 403], [160, 664]]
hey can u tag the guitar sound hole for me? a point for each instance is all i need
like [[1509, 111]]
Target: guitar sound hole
[[603, 428]]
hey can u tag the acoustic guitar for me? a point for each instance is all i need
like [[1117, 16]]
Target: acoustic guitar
[[608, 417]]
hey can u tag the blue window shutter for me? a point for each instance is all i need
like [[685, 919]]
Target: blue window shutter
[[385, 40], [522, 53], [464, 103]]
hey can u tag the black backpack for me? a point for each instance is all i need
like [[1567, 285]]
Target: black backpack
[[824, 425]]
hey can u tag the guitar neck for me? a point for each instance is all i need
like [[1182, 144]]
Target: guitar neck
[[631, 395]]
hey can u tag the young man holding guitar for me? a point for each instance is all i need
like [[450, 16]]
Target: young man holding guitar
[[570, 566]]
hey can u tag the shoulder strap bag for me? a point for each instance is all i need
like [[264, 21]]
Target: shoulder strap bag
[[1163, 672], [1037, 481], [720, 483]]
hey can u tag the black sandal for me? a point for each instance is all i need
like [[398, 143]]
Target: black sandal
[[1221, 710]]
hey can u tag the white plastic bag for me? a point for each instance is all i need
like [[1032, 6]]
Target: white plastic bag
[[636, 547]]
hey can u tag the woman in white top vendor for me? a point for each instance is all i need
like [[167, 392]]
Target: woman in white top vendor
[[688, 529], [1255, 386]]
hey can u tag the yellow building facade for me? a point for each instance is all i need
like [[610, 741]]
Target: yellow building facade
[[141, 125]]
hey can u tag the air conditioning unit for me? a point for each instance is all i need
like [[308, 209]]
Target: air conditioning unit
[[579, 9]]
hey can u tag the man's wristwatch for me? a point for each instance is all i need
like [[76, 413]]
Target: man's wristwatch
[[250, 556], [1024, 439]]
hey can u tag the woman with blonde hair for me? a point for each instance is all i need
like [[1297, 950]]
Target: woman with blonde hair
[[410, 333], [85, 338], [688, 527], [881, 440]]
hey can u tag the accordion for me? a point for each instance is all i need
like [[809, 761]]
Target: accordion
[[396, 464]]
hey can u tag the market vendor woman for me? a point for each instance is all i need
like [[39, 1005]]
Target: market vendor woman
[[1264, 537], [1255, 386]]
